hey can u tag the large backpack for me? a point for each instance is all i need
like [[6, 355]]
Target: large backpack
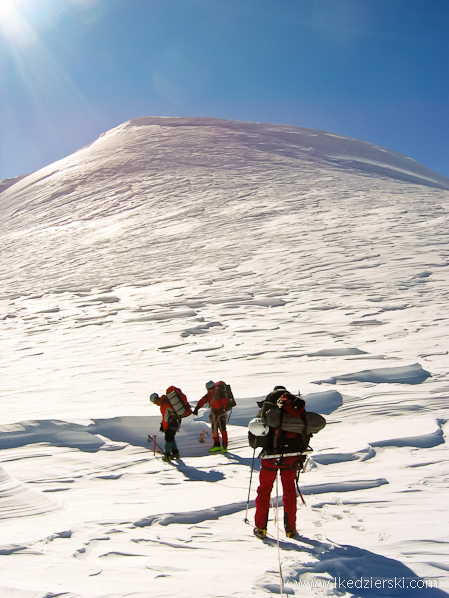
[[179, 402], [290, 425], [223, 391]]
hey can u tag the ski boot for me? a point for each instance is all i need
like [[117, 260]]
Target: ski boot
[[291, 533], [260, 532], [216, 448]]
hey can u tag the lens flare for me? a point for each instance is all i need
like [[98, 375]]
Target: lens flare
[[14, 26]]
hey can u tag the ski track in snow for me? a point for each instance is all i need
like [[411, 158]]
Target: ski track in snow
[[183, 253]]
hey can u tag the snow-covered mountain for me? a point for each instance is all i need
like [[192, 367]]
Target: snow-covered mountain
[[176, 250]]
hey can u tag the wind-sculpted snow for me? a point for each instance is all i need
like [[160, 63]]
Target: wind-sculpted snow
[[176, 251], [413, 374], [323, 402], [57, 433], [424, 441], [18, 500], [193, 516], [224, 510]]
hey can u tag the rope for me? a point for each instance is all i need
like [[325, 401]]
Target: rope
[[215, 420], [297, 488], [276, 522]]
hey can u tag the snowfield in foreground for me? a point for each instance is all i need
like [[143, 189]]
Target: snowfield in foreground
[[174, 251]]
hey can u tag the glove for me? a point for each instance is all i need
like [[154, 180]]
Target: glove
[[161, 428], [195, 411]]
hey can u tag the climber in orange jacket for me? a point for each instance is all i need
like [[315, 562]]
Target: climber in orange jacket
[[169, 425]]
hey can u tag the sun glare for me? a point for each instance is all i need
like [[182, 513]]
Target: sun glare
[[8, 9], [13, 24]]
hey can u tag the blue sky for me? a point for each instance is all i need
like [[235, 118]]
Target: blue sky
[[377, 70]]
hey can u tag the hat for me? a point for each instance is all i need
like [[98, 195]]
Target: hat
[[154, 397], [279, 388], [210, 385]]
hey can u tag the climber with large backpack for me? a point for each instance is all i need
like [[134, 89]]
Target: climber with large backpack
[[220, 400], [174, 406], [281, 429]]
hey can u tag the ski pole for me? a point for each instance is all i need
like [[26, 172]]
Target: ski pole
[[249, 489], [155, 444]]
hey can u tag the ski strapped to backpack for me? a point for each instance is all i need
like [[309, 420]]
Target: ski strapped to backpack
[[223, 391], [288, 414], [179, 402]]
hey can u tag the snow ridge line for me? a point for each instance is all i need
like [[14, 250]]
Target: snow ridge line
[[194, 517]]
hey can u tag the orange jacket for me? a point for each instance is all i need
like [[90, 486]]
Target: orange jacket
[[167, 410]]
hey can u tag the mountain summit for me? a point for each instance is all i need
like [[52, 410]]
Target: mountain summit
[[173, 142], [158, 186]]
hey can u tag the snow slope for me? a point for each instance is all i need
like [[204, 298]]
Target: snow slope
[[179, 250]]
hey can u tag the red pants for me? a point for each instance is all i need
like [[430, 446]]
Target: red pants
[[266, 481]]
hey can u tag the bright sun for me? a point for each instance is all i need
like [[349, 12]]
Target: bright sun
[[14, 24], [8, 9]]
